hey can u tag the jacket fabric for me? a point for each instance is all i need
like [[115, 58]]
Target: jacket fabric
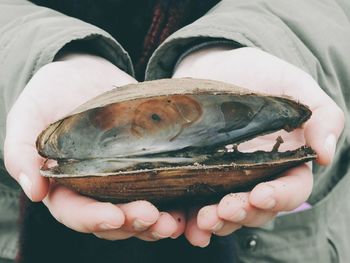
[[313, 35]]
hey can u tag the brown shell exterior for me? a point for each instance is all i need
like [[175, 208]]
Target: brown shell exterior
[[182, 185]]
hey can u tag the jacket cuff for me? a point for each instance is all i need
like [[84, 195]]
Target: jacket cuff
[[206, 44], [164, 59]]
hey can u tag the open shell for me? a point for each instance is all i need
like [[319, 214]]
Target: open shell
[[164, 141]]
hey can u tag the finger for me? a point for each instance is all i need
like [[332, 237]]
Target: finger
[[23, 162], [227, 229], [323, 130], [139, 215], [193, 233], [180, 219], [165, 226], [233, 207], [327, 120], [208, 219], [285, 193], [20, 155], [80, 213], [257, 217], [236, 208]]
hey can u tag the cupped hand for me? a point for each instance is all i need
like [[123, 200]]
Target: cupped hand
[[259, 71], [53, 92]]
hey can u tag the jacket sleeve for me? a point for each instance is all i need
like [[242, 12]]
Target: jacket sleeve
[[314, 35], [30, 37]]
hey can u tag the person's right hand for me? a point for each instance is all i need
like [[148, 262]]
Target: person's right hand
[[53, 92]]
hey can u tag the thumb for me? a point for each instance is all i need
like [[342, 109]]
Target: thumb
[[23, 162], [323, 130]]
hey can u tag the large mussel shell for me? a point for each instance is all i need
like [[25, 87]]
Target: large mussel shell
[[165, 140]]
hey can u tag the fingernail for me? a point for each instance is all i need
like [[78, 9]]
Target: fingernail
[[330, 145], [26, 184], [140, 225], [240, 215], [107, 226], [157, 236], [217, 226]]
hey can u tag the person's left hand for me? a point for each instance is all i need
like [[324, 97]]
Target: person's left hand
[[261, 72]]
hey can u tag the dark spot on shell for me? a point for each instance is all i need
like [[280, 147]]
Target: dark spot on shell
[[155, 117]]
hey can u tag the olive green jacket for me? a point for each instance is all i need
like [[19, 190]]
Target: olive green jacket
[[314, 35]]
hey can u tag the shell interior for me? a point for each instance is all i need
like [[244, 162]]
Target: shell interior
[[168, 123]]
